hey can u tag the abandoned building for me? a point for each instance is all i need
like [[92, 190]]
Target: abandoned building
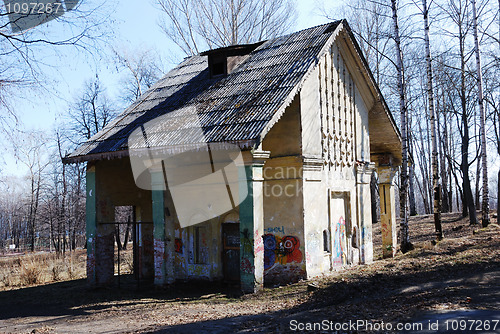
[[310, 125]]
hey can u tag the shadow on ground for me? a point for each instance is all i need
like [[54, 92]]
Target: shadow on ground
[[394, 297], [74, 298]]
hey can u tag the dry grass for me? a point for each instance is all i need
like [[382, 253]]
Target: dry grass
[[40, 268]]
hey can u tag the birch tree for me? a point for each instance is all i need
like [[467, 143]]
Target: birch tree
[[432, 116], [90, 113], [405, 237], [485, 210], [29, 151]]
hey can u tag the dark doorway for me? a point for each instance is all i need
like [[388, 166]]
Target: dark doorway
[[231, 251]]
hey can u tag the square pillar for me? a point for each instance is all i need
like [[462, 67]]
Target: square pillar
[[99, 232], [163, 233], [252, 221], [91, 223], [386, 176], [364, 234]]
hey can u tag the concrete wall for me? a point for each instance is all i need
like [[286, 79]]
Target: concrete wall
[[283, 237], [209, 263], [312, 195], [333, 111]]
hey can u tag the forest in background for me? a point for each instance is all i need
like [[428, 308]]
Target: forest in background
[[422, 55]]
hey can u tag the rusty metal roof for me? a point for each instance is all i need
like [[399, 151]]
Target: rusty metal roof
[[235, 108]]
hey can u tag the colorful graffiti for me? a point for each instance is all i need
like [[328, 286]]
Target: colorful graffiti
[[178, 245], [339, 243], [278, 229], [281, 250]]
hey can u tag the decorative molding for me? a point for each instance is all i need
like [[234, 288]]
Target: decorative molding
[[364, 170], [259, 157], [312, 163]]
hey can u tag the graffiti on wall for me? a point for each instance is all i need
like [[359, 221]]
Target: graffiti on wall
[[281, 250], [160, 258], [178, 245], [278, 229], [339, 243], [246, 266]]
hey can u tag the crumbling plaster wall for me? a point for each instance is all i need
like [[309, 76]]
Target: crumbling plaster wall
[[335, 136], [283, 236]]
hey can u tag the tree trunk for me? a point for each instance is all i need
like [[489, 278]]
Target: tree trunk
[[413, 206], [442, 171], [430, 94], [117, 236], [411, 179], [127, 234], [477, 192], [482, 117], [468, 207], [405, 237]]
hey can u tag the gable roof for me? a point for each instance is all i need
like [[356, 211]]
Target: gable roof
[[239, 108]]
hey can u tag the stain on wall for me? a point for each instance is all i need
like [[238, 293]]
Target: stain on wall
[[247, 242]]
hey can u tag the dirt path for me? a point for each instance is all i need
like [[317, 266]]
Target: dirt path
[[431, 282]]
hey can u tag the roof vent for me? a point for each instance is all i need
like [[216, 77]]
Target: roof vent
[[223, 61]]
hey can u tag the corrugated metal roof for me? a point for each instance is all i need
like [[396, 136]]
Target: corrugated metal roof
[[234, 108]]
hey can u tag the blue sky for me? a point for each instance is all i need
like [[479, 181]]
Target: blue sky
[[136, 26]]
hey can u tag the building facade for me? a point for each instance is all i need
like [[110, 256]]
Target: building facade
[[310, 127]]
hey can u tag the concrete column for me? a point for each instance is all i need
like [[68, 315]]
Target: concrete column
[[363, 177], [91, 223], [252, 222], [105, 235], [387, 210], [163, 234]]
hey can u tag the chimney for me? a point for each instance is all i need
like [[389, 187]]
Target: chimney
[[223, 61]]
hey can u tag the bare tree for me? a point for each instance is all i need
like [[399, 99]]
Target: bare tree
[[24, 52], [29, 151], [458, 87], [90, 112], [142, 69], [436, 185], [195, 25], [482, 120], [403, 107]]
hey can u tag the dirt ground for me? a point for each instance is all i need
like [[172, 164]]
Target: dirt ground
[[459, 274]]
